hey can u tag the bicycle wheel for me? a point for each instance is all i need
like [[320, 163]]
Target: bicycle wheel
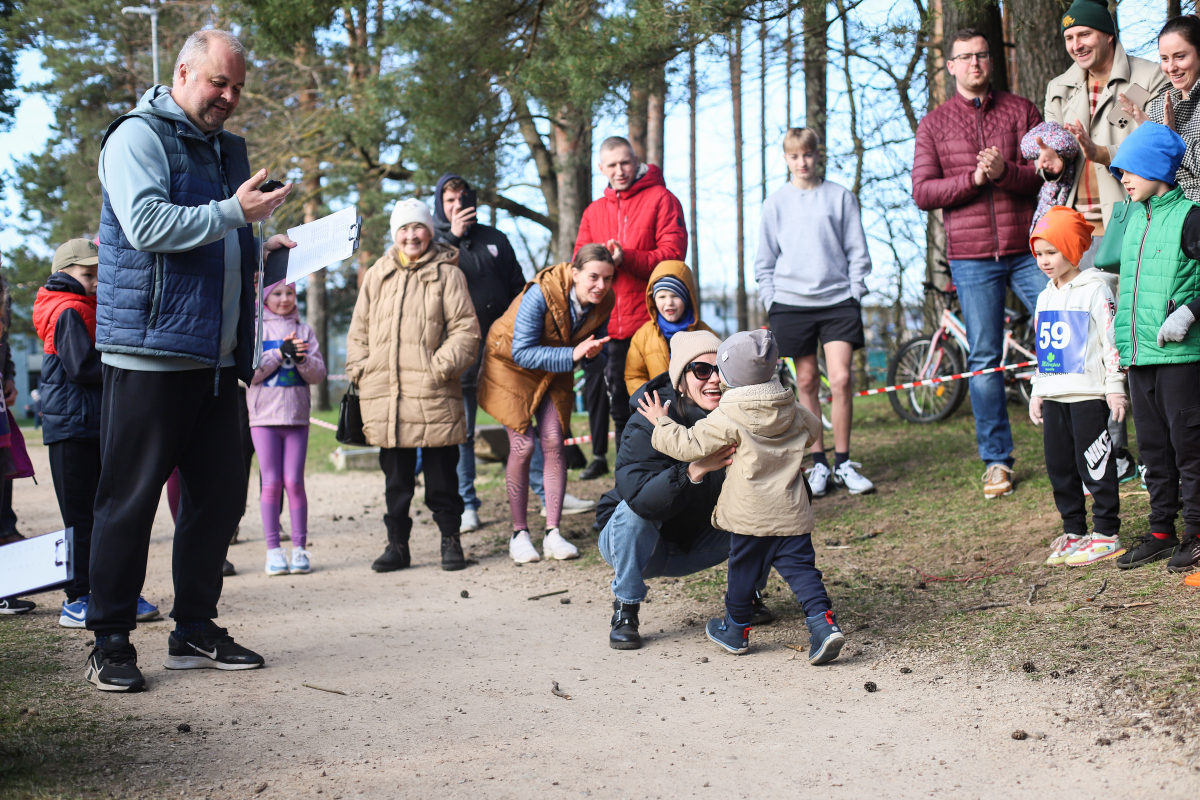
[[1017, 384], [926, 404]]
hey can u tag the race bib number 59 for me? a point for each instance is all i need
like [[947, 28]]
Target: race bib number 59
[[1061, 341]]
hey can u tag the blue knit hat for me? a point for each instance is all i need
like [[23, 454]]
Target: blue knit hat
[[673, 285], [1152, 151]]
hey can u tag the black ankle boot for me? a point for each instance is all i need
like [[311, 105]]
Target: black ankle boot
[[624, 634], [452, 554], [395, 557]]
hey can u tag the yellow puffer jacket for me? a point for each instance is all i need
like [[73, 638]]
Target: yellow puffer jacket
[[413, 334], [649, 352]]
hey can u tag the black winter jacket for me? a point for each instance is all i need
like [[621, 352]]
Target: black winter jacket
[[488, 260], [656, 486]]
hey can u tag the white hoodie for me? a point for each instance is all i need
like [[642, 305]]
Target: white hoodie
[[1094, 292]]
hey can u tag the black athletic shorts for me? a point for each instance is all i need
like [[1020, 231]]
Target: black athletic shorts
[[797, 329]]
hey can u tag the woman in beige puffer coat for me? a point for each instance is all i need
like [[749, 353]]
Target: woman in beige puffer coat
[[413, 334]]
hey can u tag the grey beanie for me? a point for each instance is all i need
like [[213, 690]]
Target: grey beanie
[[685, 346], [747, 358]]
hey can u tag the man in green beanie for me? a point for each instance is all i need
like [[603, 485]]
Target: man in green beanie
[[1080, 100]]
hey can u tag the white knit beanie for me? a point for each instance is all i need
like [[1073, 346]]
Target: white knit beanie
[[685, 346], [409, 211]]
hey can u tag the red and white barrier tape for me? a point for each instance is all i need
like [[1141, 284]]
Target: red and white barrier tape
[[932, 381], [320, 423], [585, 439]]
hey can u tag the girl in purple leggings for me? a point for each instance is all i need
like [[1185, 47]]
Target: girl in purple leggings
[[278, 402]]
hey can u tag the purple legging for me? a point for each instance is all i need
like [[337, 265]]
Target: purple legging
[[516, 472], [281, 450]]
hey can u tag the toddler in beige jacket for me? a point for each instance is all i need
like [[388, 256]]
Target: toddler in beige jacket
[[765, 502]]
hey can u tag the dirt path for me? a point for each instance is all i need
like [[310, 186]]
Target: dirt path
[[446, 695]]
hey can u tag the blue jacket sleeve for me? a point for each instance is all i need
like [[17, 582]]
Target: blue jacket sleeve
[[527, 332]]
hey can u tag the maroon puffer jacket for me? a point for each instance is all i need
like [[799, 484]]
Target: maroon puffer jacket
[[986, 221]]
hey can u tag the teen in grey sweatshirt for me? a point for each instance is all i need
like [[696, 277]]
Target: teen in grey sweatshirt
[[812, 250]]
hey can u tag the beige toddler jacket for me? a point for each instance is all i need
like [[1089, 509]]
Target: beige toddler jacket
[[764, 492]]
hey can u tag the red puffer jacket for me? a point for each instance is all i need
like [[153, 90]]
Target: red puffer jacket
[[647, 221], [986, 221]]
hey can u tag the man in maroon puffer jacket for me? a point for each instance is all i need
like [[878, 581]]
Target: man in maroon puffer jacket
[[968, 163], [641, 223]]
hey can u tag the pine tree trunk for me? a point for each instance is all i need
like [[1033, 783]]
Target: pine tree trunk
[[762, 95], [572, 152], [735, 86], [1174, 8], [1040, 52], [937, 271], [816, 60], [637, 113], [692, 179], [789, 65], [656, 118]]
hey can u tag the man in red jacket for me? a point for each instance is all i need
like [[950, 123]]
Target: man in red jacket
[[641, 224], [968, 163]]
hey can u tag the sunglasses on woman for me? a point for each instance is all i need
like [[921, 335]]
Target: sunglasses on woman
[[702, 370]]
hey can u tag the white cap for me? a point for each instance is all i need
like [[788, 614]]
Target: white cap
[[409, 211]]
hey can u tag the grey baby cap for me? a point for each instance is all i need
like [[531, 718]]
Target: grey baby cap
[[748, 357]]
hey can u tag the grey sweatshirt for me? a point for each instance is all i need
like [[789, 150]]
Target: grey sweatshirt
[[812, 250], [135, 172]]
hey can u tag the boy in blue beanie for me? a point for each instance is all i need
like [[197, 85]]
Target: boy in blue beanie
[[1159, 300]]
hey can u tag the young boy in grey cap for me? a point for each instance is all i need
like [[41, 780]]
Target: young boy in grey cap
[[765, 502]]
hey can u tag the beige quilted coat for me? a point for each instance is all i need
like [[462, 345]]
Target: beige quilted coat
[[414, 332], [764, 492]]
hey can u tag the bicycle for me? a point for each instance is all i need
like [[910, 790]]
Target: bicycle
[[944, 354], [787, 377]]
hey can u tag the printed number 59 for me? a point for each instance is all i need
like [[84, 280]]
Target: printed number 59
[[1056, 335]]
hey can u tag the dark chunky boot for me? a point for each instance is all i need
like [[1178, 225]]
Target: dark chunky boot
[[624, 634], [395, 557], [761, 614], [598, 468], [452, 554]]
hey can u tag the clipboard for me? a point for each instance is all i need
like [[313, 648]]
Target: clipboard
[[39, 564], [279, 265]]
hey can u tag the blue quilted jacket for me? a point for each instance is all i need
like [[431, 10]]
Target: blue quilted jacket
[[170, 304]]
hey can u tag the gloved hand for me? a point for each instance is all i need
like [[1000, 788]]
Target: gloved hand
[[288, 348], [1175, 327]]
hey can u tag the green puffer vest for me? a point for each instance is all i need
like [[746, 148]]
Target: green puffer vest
[[1156, 278]]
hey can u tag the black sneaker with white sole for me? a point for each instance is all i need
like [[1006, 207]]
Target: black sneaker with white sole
[[112, 666], [208, 649], [1187, 556], [12, 606], [1149, 548]]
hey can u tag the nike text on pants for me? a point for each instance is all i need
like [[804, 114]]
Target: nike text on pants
[[1079, 450], [151, 423], [1166, 417]]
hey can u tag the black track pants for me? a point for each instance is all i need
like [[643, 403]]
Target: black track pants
[[1166, 416], [440, 466], [1080, 450], [75, 470]]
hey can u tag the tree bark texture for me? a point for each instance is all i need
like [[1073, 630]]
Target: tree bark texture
[[735, 86], [1041, 54], [572, 155], [656, 118], [985, 18], [789, 65], [637, 114], [317, 298], [762, 95], [816, 61]]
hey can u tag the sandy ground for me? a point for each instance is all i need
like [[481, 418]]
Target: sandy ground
[[447, 696]]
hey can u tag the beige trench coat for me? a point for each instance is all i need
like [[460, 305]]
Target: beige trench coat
[[413, 334], [764, 492], [1067, 101]]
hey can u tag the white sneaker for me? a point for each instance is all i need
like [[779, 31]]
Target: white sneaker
[[847, 475], [470, 521], [276, 562], [300, 565], [555, 546], [521, 548], [573, 505], [818, 479]]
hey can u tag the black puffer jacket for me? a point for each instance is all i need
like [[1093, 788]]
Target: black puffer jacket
[[656, 486], [494, 276]]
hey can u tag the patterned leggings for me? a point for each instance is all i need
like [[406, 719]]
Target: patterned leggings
[[516, 473]]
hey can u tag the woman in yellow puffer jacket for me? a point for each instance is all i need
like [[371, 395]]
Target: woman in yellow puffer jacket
[[671, 301]]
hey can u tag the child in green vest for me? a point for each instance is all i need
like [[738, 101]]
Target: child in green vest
[[1159, 300]]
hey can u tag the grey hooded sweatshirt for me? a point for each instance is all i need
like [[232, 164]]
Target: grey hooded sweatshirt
[[134, 171]]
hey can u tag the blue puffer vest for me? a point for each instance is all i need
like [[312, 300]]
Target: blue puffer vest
[[169, 304]]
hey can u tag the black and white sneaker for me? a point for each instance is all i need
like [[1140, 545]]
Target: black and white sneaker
[[1187, 556], [11, 606], [112, 666], [208, 649]]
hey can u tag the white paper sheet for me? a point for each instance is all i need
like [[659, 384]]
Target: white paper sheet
[[34, 564], [321, 243]]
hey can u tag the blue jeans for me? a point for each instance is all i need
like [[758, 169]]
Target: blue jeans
[[632, 547], [981, 288], [466, 454]]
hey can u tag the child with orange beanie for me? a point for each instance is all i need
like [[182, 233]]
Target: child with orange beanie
[[1077, 387]]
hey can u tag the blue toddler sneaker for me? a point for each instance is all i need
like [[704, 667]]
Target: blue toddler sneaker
[[146, 611], [826, 640], [74, 615], [733, 637]]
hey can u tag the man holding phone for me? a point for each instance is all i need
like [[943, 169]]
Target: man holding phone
[[494, 278], [1086, 101]]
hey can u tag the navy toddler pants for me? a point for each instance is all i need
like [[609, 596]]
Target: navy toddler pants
[[793, 558]]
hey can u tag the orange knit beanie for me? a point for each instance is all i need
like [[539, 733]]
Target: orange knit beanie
[[1067, 230]]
